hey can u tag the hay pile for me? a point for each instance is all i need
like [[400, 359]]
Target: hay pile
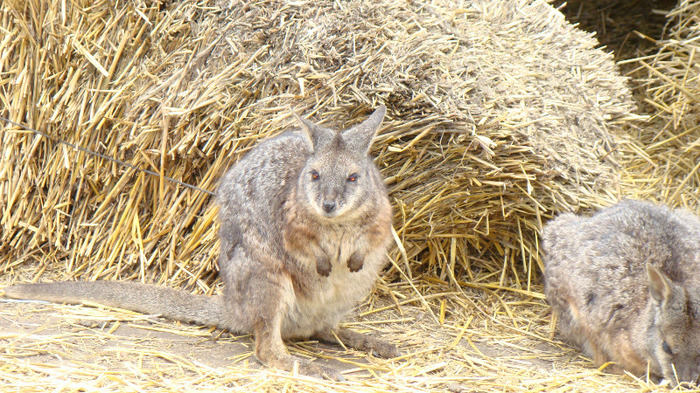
[[499, 115]]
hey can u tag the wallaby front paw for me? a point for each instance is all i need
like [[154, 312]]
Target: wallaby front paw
[[355, 262], [323, 266]]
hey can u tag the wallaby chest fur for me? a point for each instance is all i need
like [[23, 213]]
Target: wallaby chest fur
[[625, 286]]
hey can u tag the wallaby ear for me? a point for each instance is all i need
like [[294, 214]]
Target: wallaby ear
[[359, 137], [307, 130], [659, 285]]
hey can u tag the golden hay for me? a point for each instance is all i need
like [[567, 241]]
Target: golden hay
[[499, 116]]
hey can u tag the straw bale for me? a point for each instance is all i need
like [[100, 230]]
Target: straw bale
[[499, 115]]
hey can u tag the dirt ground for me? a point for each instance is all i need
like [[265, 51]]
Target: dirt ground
[[448, 344]]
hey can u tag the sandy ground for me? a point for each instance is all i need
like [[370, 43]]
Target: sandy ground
[[49, 347]]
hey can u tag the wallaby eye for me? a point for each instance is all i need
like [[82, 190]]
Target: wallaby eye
[[315, 175], [352, 178], [666, 348]]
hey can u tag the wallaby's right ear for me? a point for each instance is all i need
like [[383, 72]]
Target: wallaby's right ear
[[307, 130], [659, 285]]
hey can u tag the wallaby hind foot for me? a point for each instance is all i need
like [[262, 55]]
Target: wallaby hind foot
[[270, 350], [359, 341]]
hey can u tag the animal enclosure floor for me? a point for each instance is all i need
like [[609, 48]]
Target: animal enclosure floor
[[450, 346]]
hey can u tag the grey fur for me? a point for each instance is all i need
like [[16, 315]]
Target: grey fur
[[305, 225], [625, 286]]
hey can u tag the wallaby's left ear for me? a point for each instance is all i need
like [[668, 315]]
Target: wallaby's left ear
[[659, 285], [359, 138], [307, 130]]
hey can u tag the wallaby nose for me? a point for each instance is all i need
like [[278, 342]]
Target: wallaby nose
[[328, 206]]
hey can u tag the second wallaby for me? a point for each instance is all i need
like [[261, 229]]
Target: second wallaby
[[305, 223], [625, 287]]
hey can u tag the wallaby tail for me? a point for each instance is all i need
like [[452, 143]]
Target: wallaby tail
[[148, 299]]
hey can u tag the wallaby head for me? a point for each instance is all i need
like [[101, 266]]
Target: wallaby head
[[339, 174], [674, 334]]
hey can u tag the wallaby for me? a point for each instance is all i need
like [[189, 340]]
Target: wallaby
[[624, 285], [305, 223]]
